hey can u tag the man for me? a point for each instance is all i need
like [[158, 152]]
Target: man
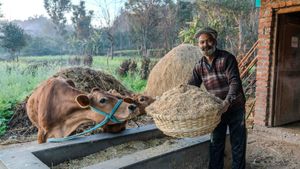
[[218, 71]]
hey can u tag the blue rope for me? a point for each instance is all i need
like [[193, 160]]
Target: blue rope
[[107, 118]]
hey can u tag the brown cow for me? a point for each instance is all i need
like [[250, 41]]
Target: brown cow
[[56, 108], [142, 101]]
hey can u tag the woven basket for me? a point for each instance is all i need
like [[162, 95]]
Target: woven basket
[[188, 125]]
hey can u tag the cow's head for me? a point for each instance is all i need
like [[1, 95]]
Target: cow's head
[[142, 101], [105, 102]]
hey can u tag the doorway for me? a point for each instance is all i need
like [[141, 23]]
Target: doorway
[[287, 84]]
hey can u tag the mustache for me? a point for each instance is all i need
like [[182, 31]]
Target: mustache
[[206, 48]]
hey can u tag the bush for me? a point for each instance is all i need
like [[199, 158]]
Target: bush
[[157, 53], [126, 53]]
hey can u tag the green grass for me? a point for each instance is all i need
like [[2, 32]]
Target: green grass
[[18, 80]]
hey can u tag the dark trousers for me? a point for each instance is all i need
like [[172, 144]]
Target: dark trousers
[[235, 119]]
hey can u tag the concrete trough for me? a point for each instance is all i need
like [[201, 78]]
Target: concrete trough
[[185, 153], [40, 156]]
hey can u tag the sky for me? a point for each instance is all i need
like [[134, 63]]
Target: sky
[[22, 9]]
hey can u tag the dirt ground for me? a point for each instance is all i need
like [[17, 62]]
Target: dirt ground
[[274, 148]]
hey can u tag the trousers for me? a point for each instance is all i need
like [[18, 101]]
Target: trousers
[[235, 120]]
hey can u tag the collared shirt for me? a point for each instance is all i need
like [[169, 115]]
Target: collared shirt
[[221, 78]]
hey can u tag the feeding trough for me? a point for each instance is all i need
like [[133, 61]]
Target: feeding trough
[[192, 152]]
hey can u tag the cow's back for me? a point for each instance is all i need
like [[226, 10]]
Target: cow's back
[[46, 102]]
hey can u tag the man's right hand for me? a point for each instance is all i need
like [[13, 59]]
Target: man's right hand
[[225, 105]]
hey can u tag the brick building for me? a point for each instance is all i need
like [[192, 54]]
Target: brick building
[[278, 65]]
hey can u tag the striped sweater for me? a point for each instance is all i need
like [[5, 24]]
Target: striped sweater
[[221, 78]]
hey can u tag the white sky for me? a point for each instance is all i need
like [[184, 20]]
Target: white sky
[[22, 9]]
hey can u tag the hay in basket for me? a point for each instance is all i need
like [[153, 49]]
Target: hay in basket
[[186, 111]]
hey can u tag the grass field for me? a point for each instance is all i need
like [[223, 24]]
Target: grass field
[[18, 79]]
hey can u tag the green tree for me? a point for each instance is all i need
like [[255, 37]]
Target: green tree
[[184, 13], [186, 35], [237, 24], [83, 29], [13, 39], [57, 9], [82, 21], [144, 20]]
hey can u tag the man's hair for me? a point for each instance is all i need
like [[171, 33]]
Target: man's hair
[[207, 30]]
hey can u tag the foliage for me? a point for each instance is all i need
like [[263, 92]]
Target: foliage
[[38, 46], [237, 26], [56, 9], [184, 13], [18, 80], [13, 38], [144, 18], [82, 21], [133, 82], [187, 35]]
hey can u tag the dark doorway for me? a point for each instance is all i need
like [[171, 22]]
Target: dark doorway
[[287, 91]]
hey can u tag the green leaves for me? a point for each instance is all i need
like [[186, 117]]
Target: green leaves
[[187, 35], [13, 38]]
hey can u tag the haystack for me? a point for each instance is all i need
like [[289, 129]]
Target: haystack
[[85, 79], [173, 69], [186, 111]]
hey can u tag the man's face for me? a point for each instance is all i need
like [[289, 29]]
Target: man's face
[[207, 44]]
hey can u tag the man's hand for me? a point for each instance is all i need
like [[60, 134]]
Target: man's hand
[[225, 105]]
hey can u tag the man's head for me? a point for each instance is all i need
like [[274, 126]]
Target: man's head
[[207, 40]]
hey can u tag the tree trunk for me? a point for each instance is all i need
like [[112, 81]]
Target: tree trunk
[[112, 50]]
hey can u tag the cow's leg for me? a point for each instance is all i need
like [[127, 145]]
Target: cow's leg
[[42, 136], [114, 128]]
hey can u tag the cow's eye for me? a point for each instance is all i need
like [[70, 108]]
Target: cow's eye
[[103, 100]]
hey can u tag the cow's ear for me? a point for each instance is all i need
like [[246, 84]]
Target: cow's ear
[[70, 82], [83, 100], [128, 100]]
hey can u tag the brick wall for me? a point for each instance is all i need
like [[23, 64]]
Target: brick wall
[[264, 63]]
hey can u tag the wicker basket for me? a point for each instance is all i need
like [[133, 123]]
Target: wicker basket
[[186, 126]]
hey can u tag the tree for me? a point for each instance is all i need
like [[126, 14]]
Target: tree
[[82, 23], [184, 13], [1, 15], [109, 23], [57, 9], [167, 26], [13, 38], [144, 20], [237, 26]]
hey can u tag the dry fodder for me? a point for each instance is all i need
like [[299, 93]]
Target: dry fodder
[[173, 69], [117, 152], [86, 79], [185, 100], [186, 111]]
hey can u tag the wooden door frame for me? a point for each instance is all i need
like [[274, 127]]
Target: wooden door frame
[[274, 72]]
